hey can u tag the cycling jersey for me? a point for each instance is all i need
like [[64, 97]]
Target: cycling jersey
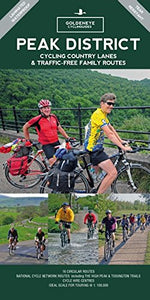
[[40, 236], [95, 135], [110, 224], [132, 220], [91, 218], [46, 128], [143, 220], [125, 222], [13, 234], [67, 216]]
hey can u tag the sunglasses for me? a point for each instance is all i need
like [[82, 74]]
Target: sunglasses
[[110, 103]]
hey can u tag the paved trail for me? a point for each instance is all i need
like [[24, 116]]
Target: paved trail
[[24, 254], [132, 252]]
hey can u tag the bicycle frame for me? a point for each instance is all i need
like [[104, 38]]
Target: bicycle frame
[[63, 235], [90, 232], [108, 248]]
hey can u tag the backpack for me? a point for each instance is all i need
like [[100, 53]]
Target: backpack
[[17, 165], [61, 182], [68, 163]]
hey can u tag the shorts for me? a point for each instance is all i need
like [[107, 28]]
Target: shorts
[[66, 224], [97, 157], [49, 149]]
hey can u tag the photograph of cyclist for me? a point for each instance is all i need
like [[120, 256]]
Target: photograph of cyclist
[[12, 237], [90, 219], [65, 215], [47, 127], [143, 222], [96, 128], [125, 223], [40, 240], [110, 224]]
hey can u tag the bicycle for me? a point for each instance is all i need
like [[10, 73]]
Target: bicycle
[[142, 228], [39, 250], [63, 235], [132, 229], [37, 166], [11, 247], [125, 234], [109, 248], [131, 178], [91, 229]]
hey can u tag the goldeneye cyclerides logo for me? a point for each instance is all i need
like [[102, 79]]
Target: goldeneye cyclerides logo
[[80, 24], [80, 12]]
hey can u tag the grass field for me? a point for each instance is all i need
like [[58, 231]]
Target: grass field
[[26, 230]]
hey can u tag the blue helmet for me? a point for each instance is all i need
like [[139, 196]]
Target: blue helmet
[[65, 204]]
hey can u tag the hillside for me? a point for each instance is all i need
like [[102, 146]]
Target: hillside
[[22, 201], [66, 88]]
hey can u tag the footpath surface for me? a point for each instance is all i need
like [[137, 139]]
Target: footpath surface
[[132, 252], [23, 255]]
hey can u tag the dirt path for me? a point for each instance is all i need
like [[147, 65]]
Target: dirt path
[[132, 252], [24, 254]]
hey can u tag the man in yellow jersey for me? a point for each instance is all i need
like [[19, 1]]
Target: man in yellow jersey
[[65, 216], [97, 127]]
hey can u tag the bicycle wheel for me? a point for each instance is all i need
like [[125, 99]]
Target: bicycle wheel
[[31, 178], [139, 175], [62, 238], [106, 251], [81, 183]]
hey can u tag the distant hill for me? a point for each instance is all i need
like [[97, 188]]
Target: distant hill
[[66, 88], [20, 201]]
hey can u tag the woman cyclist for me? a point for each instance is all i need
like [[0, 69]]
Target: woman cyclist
[[47, 127]]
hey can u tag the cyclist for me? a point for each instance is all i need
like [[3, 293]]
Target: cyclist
[[90, 219], [65, 215], [143, 221], [12, 237], [148, 219], [94, 138], [132, 221], [40, 240], [125, 223], [47, 127], [138, 219], [110, 225]]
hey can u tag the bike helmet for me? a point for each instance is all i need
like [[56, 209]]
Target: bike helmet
[[65, 204], [90, 211], [44, 103], [108, 212], [39, 228], [124, 216]]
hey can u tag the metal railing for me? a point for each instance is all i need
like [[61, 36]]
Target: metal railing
[[14, 119]]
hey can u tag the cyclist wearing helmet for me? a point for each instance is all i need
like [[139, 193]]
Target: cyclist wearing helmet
[[40, 239], [132, 219], [65, 216], [47, 127], [12, 237], [90, 218], [125, 223], [96, 128], [110, 225]]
